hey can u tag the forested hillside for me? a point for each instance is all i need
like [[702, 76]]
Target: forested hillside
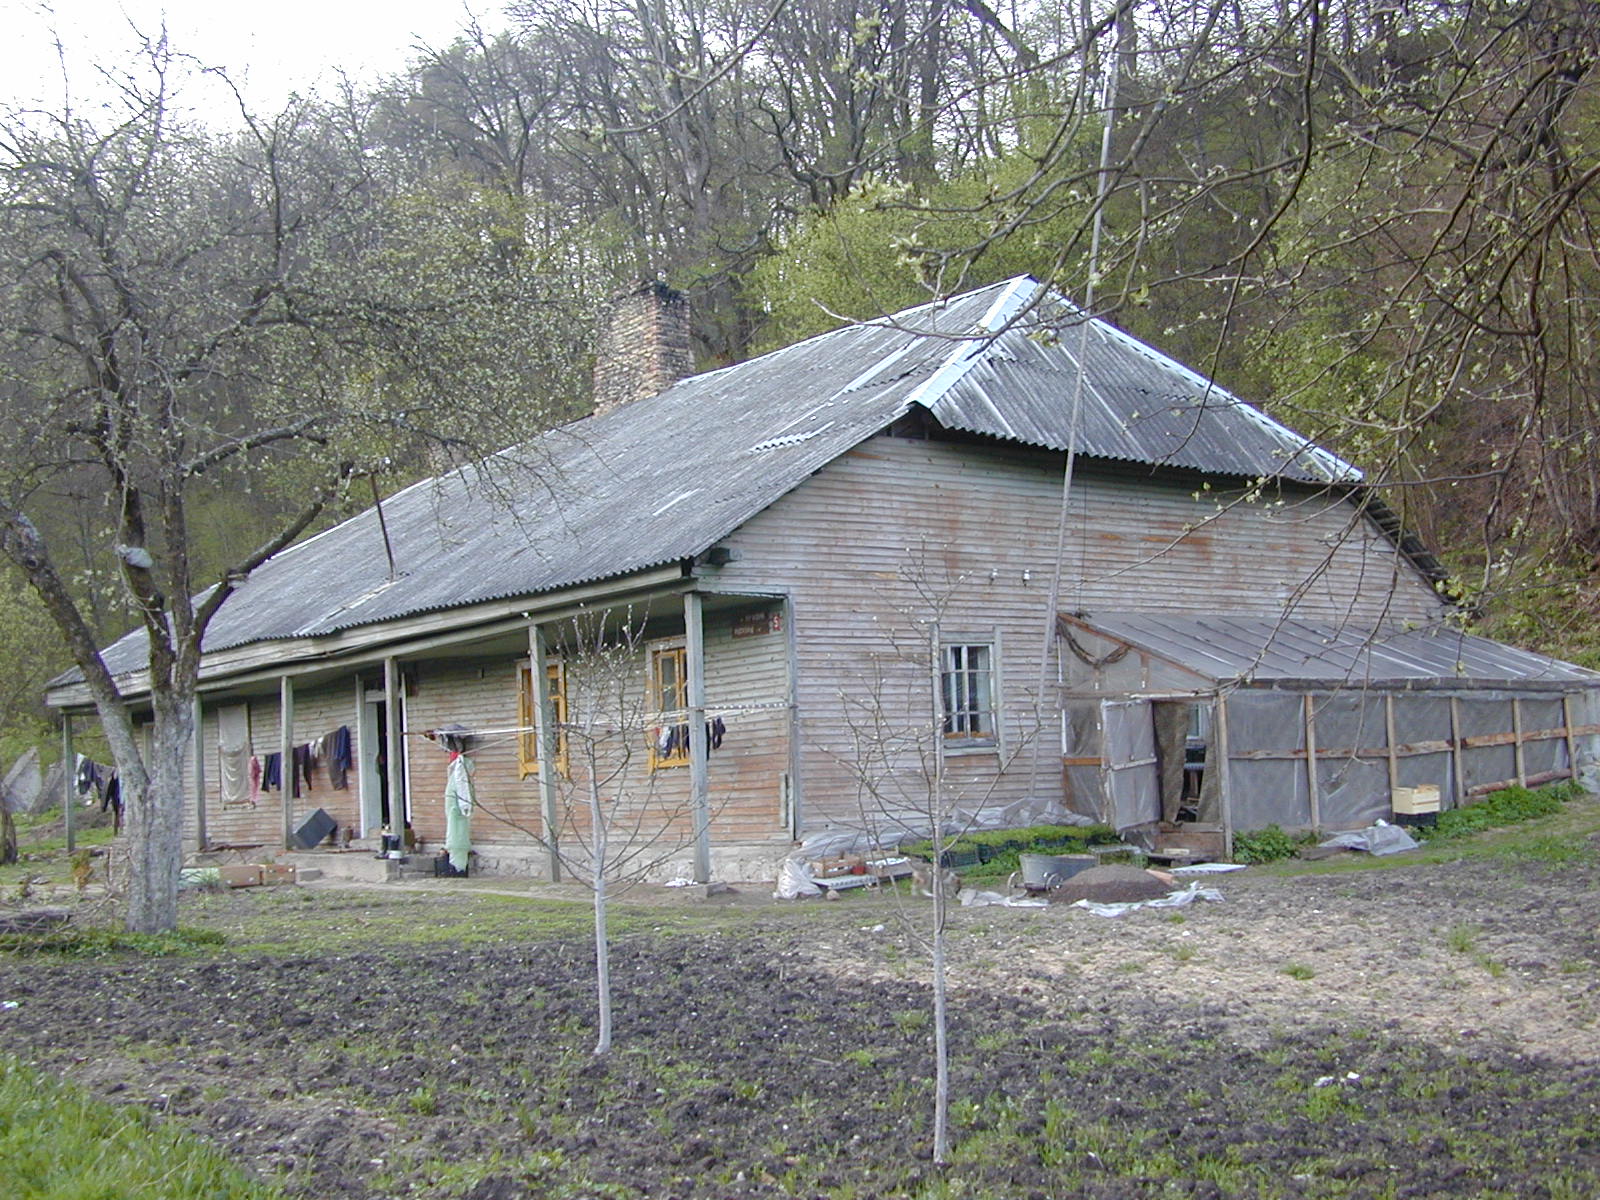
[[1374, 217]]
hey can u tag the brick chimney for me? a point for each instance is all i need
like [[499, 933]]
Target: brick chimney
[[643, 347]]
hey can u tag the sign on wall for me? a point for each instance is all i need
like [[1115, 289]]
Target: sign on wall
[[757, 624]]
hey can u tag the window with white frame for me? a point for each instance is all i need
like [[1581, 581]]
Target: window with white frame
[[966, 679]]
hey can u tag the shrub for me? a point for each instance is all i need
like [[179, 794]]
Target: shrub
[[1001, 846], [1506, 807], [1264, 845]]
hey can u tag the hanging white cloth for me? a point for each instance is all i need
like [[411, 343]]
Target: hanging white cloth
[[458, 801], [233, 753]]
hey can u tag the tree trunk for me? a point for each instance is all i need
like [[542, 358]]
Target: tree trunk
[[152, 813], [941, 1043], [8, 836], [602, 942]]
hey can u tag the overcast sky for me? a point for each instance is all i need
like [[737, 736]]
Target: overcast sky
[[273, 46]]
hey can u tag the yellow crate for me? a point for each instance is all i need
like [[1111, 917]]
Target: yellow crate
[[1412, 801]]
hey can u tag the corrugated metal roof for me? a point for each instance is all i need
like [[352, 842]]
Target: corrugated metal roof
[[1263, 651], [663, 479], [1137, 404]]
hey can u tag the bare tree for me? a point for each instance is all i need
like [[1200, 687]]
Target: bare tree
[[178, 308], [613, 722], [923, 696]]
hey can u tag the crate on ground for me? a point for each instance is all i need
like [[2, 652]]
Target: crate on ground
[[836, 866], [1415, 801], [275, 873], [240, 875]]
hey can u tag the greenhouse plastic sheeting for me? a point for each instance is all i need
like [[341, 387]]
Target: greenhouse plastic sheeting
[[1353, 793], [1269, 792], [1130, 754], [1350, 721], [1273, 721]]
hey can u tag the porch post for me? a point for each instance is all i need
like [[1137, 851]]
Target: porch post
[[286, 756], [199, 778], [699, 788], [69, 781], [545, 719], [395, 771]]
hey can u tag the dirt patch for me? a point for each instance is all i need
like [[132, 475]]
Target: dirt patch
[[1424, 1032], [1110, 884]]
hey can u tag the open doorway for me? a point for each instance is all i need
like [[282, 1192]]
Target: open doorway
[[383, 769]]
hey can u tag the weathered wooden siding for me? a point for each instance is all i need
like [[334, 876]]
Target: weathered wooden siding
[[316, 712], [476, 695], [880, 538], [746, 687]]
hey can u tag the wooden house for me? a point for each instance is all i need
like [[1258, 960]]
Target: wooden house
[[929, 552]]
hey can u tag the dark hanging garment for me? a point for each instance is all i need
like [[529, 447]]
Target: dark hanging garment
[[113, 800], [714, 733], [89, 776], [303, 762], [339, 757], [272, 772]]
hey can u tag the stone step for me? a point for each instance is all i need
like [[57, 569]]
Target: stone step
[[358, 865]]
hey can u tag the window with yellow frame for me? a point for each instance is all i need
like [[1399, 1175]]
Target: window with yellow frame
[[669, 696], [527, 717]]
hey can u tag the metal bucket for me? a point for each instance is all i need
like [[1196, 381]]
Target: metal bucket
[[1051, 870]]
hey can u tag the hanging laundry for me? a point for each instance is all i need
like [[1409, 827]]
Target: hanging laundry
[[714, 733], [458, 801], [339, 757], [90, 776], [272, 772], [255, 780], [233, 754], [302, 767], [113, 801]]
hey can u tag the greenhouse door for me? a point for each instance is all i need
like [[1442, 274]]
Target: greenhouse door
[[1132, 784]]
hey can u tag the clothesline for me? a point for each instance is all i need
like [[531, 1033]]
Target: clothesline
[[674, 716]]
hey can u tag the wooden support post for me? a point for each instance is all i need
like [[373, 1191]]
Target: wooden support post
[[695, 696], [1572, 746], [199, 748], [1313, 791], [1225, 780], [1394, 757], [544, 713], [793, 791], [1459, 796], [69, 782], [1516, 730], [286, 756], [395, 736]]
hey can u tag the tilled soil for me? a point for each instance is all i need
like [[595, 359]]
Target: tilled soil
[[1419, 1032]]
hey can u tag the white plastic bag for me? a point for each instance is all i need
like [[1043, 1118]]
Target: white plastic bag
[[795, 881]]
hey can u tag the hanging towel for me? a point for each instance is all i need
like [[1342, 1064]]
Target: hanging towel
[[233, 754], [458, 801], [255, 780]]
